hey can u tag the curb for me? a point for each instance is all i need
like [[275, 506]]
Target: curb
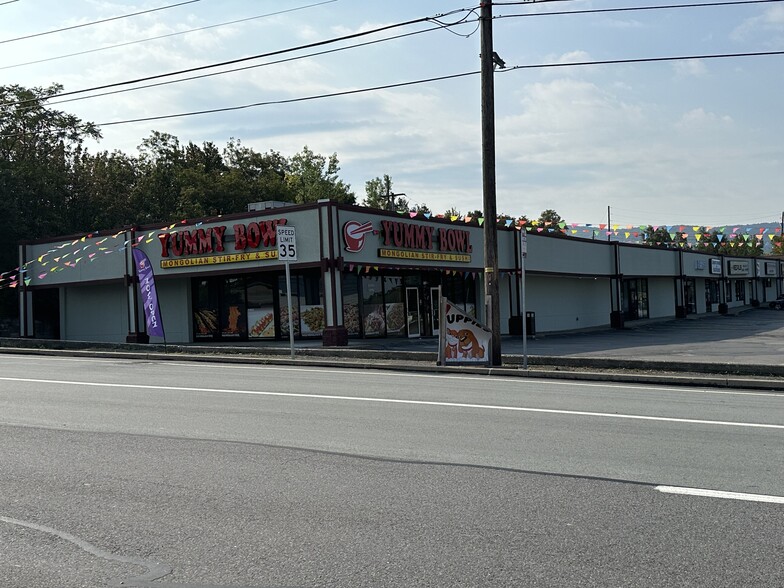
[[423, 364]]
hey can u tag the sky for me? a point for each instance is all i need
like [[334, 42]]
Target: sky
[[696, 141]]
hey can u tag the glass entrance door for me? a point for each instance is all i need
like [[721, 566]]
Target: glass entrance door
[[435, 301], [413, 319]]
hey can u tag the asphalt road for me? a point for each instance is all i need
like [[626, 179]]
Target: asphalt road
[[167, 474]]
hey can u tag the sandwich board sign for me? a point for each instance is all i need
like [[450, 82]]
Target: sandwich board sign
[[462, 339]]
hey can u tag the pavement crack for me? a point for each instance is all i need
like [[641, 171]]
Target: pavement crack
[[155, 570]]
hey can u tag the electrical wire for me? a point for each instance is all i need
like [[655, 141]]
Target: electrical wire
[[631, 8], [88, 24], [425, 81], [291, 100], [442, 78], [253, 57], [245, 68], [643, 60], [8, 2], [166, 36]]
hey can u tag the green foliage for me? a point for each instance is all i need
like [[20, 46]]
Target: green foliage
[[660, 237], [379, 194], [314, 177]]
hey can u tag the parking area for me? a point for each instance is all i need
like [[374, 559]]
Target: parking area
[[751, 336]]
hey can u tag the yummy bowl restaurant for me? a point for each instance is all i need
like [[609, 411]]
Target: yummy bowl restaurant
[[359, 273]]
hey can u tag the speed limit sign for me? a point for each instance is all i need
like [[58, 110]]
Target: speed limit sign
[[287, 243]]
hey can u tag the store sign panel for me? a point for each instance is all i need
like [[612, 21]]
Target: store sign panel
[[218, 259], [410, 241], [738, 268], [213, 240], [715, 267]]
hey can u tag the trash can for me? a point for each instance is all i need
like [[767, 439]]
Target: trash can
[[530, 324], [516, 325]]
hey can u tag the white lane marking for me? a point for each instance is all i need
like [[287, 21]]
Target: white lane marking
[[401, 401], [721, 494], [317, 370]]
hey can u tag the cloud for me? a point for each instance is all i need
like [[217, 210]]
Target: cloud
[[772, 20], [690, 68], [702, 120]]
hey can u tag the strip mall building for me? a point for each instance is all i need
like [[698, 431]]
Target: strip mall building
[[361, 272]]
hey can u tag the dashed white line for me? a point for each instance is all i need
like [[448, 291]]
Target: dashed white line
[[401, 401], [721, 494]]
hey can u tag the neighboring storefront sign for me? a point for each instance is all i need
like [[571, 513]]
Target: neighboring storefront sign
[[770, 268], [411, 241], [180, 244], [715, 267], [738, 268], [462, 339]]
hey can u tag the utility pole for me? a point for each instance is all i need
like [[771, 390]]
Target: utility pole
[[492, 306]]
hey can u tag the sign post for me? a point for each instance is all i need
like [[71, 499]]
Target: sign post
[[287, 252], [523, 255]]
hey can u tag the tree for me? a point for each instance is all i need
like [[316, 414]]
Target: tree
[[101, 186], [741, 245], [313, 177], [254, 177], [778, 245], [37, 147], [661, 237], [379, 194], [551, 221]]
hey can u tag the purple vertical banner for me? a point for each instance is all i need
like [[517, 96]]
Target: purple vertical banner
[[152, 311]]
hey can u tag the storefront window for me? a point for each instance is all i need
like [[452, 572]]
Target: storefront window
[[740, 290], [351, 303], [307, 302], [233, 318], [283, 303], [711, 293], [635, 299], [690, 291], [261, 309], [205, 309], [311, 305], [394, 298], [373, 319]]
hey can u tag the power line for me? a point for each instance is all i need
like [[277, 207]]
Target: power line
[[245, 68], [428, 80], [175, 34], [88, 24], [630, 8], [644, 60], [258, 56], [8, 2], [443, 78]]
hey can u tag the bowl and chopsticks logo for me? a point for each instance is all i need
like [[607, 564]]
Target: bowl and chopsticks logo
[[354, 234]]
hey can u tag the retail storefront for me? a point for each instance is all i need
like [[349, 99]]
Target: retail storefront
[[360, 272]]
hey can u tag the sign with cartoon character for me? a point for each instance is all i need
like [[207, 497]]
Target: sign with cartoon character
[[462, 339]]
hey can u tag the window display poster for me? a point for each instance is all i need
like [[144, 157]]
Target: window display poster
[[396, 318], [262, 322], [312, 320], [373, 321]]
